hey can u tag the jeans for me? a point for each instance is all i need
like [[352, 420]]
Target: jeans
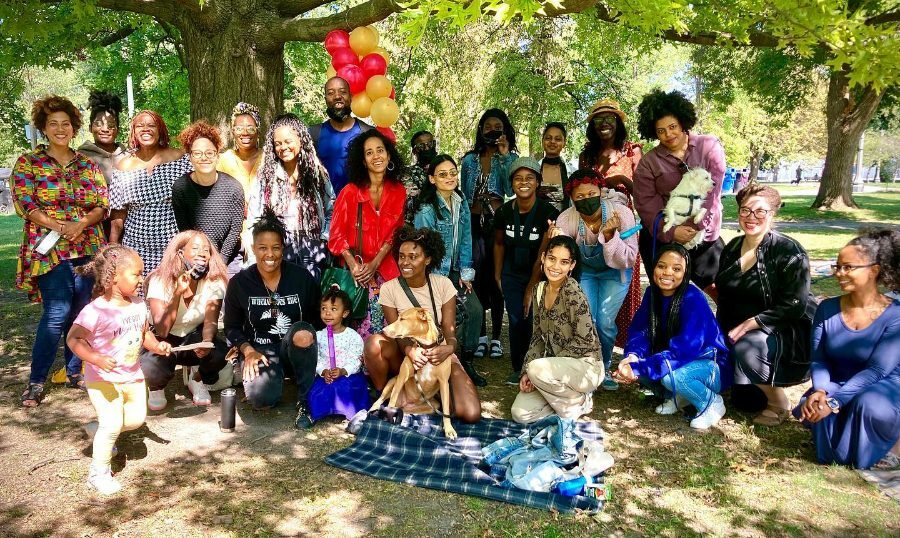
[[605, 293], [519, 324], [63, 294], [265, 390], [698, 382], [159, 370]]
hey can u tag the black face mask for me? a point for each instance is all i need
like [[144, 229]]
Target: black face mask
[[492, 137], [194, 270], [587, 206], [424, 157], [338, 114]]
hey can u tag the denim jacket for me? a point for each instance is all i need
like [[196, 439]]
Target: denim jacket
[[498, 182], [457, 239]]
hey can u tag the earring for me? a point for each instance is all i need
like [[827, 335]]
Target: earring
[[391, 166]]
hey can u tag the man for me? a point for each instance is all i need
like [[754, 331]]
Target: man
[[333, 136], [799, 175], [424, 149]]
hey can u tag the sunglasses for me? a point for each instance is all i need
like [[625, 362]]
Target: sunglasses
[[424, 146]]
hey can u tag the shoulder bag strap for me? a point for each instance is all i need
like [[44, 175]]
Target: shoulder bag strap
[[415, 303], [359, 248]]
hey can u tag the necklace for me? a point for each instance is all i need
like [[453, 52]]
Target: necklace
[[274, 297]]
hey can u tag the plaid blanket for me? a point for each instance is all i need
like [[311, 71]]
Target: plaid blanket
[[417, 453]]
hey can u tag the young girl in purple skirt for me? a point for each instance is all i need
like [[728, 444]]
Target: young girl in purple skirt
[[340, 388]]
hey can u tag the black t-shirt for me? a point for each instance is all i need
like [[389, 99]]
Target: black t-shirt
[[523, 245], [254, 315]]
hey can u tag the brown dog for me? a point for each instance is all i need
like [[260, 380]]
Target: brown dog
[[418, 324]]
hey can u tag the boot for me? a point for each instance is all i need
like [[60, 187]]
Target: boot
[[468, 364]]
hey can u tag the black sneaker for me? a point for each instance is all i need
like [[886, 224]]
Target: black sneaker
[[303, 421]]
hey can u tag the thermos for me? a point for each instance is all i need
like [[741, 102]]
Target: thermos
[[229, 400]]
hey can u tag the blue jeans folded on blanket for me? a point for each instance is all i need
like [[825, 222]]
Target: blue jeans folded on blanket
[[539, 458]]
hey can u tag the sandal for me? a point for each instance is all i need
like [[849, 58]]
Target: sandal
[[496, 349], [75, 381], [481, 350], [33, 395], [776, 417]]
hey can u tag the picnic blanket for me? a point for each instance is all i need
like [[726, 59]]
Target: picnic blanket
[[417, 453], [888, 482]]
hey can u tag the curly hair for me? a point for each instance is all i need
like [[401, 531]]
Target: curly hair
[[161, 128], [357, 173], [659, 104], [105, 264], [882, 246], [197, 130], [428, 194], [430, 241], [54, 103], [480, 145], [334, 294], [171, 267], [582, 176], [593, 145], [770, 195], [100, 101], [660, 336], [269, 221]]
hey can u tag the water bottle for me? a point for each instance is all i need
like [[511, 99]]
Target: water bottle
[[229, 401]]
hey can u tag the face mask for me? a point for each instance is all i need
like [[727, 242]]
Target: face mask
[[194, 270], [587, 206], [491, 137], [338, 114], [425, 156]]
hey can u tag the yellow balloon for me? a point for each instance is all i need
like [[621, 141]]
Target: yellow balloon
[[384, 54], [385, 112], [375, 31], [363, 40], [330, 72], [361, 105], [378, 86]]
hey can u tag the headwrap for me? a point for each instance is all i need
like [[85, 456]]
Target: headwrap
[[245, 108]]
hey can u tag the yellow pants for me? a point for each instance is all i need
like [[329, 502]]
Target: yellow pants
[[563, 385], [120, 407]]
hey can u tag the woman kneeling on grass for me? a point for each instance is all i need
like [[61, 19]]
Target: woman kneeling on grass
[[674, 341]]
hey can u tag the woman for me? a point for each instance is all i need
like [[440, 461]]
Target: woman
[[205, 200], [104, 150], [553, 168], [375, 193], [764, 279], [561, 368], [675, 343], [271, 316], [519, 229], [141, 191], [609, 153], [670, 117], [60, 193], [242, 161], [596, 221], [295, 185], [184, 294], [485, 181], [440, 206], [854, 404], [419, 252]]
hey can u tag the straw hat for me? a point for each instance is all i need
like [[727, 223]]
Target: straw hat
[[607, 105]]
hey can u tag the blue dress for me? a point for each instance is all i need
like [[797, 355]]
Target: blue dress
[[861, 370]]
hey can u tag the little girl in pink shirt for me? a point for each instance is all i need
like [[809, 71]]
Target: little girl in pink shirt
[[107, 335]]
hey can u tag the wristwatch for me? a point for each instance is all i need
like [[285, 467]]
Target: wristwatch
[[834, 405]]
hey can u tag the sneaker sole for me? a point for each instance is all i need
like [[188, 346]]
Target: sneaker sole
[[156, 407]]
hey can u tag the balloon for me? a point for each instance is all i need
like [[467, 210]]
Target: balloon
[[361, 105], [378, 86], [373, 64], [330, 73], [343, 56], [363, 40], [337, 39], [384, 112], [375, 31], [388, 132], [355, 78], [383, 53]]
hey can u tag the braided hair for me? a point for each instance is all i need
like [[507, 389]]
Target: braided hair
[[269, 221], [311, 177], [104, 266], [100, 101], [660, 336]]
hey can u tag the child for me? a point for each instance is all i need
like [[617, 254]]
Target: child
[[674, 341], [341, 388], [107, 335]]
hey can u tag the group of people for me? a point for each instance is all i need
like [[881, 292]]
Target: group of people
[[228, 250]]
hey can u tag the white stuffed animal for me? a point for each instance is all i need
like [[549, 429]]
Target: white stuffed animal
[[686, 202]]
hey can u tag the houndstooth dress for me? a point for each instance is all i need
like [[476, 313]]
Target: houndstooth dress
[[147, 200]]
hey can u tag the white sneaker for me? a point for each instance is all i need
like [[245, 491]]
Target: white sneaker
[[198, 390], [103, 481], [157, 400], [91, 430], [711, 416], [668, 407]]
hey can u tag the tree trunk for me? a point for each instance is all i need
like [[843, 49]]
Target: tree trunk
[[754, 164], [847, 112]]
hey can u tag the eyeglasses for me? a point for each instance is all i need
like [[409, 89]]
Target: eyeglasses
[[759, 213], [601, 119], [424, 146], [240, 129], [846, 267], [448, 174], [209, 154]]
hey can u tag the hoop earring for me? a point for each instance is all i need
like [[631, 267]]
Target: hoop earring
[[390, 166]]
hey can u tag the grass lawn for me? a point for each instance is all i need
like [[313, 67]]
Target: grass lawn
[[874, 207]]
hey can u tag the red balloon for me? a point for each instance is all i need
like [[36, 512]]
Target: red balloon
[[388, 132], [337, 39], [373, 64], [355, 78], [343, 56], [393, 94]]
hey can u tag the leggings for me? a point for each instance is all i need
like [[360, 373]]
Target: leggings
[[120, 407]]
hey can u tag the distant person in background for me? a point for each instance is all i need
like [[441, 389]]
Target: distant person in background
[[415, 176], [799, 175], [553, 167], [333, 136]]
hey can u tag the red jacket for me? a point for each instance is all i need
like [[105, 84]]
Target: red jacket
[[378, 226]]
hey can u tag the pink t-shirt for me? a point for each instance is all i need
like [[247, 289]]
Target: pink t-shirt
[[118, 332]]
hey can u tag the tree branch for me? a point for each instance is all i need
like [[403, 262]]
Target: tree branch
[[161, 9], [884, 18], [292, 8], [301, 29], [116, 36]]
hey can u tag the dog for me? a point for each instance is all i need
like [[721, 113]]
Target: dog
[[419, 387], [685, 202]]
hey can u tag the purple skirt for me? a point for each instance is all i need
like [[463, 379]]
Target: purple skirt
[[346, 396]]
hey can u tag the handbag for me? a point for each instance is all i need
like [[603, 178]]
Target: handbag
[[343, 278]]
